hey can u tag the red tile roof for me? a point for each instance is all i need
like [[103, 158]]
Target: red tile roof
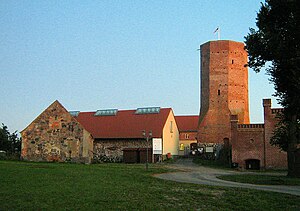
[[125, 124], [187, 123]]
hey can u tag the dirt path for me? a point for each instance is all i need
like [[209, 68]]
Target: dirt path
[[192, 173]]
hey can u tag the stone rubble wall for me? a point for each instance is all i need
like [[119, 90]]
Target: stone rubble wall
[[55, 136], [111, 150]]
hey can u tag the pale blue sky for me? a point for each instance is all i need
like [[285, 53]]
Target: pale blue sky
[[114, 54]]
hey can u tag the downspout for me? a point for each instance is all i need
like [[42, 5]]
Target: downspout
[[265, 147]]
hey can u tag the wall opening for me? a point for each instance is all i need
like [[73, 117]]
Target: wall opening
[[226, 142], [219, 92], [253, 164], [193, 146]]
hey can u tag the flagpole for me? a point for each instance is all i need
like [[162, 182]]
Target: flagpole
[[218, 30]]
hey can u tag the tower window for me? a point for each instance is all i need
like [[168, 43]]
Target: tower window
[[219, 92], [232, 61]]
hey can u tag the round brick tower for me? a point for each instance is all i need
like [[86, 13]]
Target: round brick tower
[[224, 89]]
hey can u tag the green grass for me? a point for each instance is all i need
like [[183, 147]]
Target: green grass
[[261, 179], [53, 186]]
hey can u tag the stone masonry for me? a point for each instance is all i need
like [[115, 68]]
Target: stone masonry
[[113, 148], [56, 136]]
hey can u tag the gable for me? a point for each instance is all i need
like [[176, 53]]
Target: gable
[[54, 116], [55, 135]]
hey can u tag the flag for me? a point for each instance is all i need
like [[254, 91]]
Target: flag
[[217, 29]]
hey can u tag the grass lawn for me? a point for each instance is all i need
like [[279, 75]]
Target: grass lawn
[[49, 186], [261, 179]]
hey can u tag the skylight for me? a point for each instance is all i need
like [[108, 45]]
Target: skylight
[[149, 110], [106, 112], [74, 113]]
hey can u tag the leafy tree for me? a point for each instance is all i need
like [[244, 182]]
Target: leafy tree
[[4, 144], [280, 136], [9, 142], [277, 44]]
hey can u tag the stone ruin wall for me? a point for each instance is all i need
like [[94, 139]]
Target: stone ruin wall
[[112, 150], [56, 136]]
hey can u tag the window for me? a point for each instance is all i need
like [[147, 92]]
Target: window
[[186, 136], [232, 61], [74, 113], [219, 91], [181, 147], [149, 110], [171, 127], [106, 112]]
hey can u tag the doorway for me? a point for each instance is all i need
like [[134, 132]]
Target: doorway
[[253, 164]]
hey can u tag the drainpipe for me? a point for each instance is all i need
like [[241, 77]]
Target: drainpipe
[[264, 148]]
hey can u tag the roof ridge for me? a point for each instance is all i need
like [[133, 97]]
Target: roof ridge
[[119, 110]]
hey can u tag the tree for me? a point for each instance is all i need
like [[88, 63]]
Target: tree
[[9, 142], [276, 45], [280, 136]]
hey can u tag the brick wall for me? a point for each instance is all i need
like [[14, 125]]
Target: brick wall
[[248, 143], [252, 141], [275, 158], [224, 89]]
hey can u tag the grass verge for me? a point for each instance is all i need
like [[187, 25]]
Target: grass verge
[[49, 186], [261, 179]]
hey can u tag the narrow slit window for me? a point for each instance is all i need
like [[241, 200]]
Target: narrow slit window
[[219, 92], [232, 61]]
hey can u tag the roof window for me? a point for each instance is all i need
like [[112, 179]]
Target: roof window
[[74, 113], [106, 112], [149, 110]]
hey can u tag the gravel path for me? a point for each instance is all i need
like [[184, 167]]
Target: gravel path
[[192, 173]]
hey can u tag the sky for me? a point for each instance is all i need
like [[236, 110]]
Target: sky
[[122, 54]]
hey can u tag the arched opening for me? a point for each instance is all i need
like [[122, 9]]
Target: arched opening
[[253, 164]]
